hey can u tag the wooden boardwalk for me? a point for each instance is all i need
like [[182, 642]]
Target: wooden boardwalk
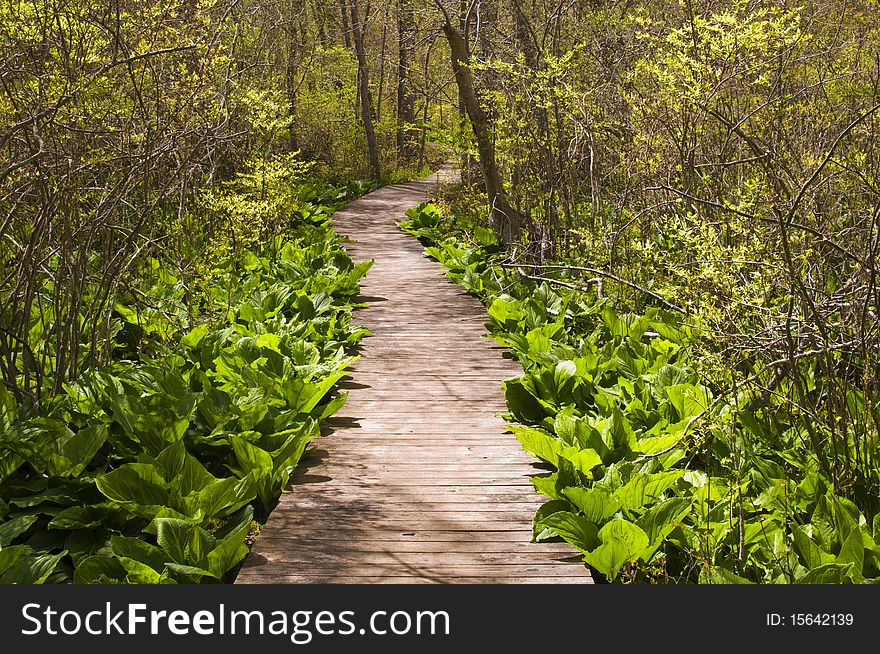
[[417, 480]]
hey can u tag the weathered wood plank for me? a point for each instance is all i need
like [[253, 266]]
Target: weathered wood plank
[[307, 545], [431, 569], [416, 480], [272, 578]]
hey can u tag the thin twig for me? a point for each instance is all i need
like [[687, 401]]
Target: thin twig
[[594, 271]]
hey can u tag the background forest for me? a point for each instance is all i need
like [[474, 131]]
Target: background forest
[[670, 208]]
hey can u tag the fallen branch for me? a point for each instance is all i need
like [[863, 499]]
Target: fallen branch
[[593, 271]]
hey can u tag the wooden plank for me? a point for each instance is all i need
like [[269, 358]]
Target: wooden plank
[[347, 557], [370, 533], [416, 479], [400, 470], [400, 476], [407, 520], [417, 546], [485, 572], [413, 494], [446, 502], [272, 578], [380, 421]]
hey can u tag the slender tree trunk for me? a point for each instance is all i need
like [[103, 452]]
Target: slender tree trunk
[[504, 219], [406, 133], [357, 33], [319, 18], [380, 93], [291, 99], [291, 82], [346, 28], [527, 42]]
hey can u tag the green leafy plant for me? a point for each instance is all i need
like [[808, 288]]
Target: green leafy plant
[[657, 474], [154, 468]]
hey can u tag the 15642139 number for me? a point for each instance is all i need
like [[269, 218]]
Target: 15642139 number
[[821, 619], [809, 619]]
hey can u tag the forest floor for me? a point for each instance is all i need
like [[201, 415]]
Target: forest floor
[[417, 479]]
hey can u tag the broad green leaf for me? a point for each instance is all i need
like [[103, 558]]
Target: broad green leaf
[[652, 445], [506, 312], [8, 409], [31, 569], [522, 404], [191, 570], [98, 570], [853, 551], [220, 498], [830, 573], [662, 518], [597, 504], [195, 336], [537, 442], [38, 494], [626, 532], [576, 530], [645, 489], [138, 572], [252, 459], [9, 463], [547, 485], [171, 460], [809, 552], [51, 447], [608, 558], [333, 405], [846, 516], [134, 483], [583, 460], [564, 425], [485, 237], [82, 517], [288, 455], [539, 532], [719, 575], [232, 548], [688, 400], [184, 542], [563, 373], [192, 477], [135, 549], [670, 375], [823, 524], [302, 396], [622, 542], [78, 451], [13, 528], [618, 433], [9, 555]]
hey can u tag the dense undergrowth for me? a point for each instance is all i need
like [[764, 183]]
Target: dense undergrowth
[[662, 471], [154, 467]]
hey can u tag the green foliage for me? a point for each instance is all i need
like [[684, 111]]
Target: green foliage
[[656, 476], [152, 470]]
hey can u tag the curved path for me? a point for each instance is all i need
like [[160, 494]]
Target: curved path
[[417, 480]]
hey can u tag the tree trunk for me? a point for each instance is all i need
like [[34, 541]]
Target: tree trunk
[[346, 29], [357, 33], [503, 218], [407, 135], [380, 93], [291, 99]]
